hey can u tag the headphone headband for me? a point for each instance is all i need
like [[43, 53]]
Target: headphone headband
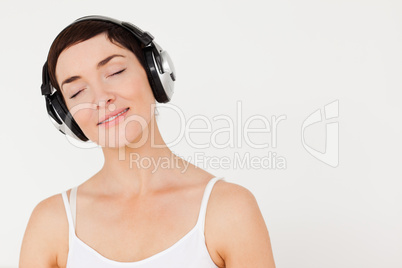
[[144, 37]]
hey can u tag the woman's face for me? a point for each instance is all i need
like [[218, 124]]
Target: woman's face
[[99, 81]]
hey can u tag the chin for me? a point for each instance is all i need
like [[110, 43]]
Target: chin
[[133, 135]]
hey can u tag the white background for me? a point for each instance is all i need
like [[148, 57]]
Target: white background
[[276, 57]]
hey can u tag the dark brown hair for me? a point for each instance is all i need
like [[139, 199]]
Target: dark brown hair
[[84, 30]]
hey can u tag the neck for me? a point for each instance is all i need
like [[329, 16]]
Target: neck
[[128, 170]]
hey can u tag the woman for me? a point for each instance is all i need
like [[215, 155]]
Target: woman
[[125, 215]]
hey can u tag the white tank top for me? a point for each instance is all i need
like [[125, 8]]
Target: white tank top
[[190, 251]]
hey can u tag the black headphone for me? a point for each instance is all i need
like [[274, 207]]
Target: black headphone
[[159, 68]]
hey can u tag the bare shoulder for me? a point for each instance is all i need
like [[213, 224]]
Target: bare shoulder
[[43, 238], [237, 229], [231, 201], [229, 192]]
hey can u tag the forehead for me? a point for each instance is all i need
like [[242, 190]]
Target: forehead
[[86, 54]]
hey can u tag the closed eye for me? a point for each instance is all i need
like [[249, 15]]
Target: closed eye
[[73, 96], [116, 73], [119, 72]]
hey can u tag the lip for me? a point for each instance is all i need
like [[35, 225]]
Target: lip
[[114, 113]]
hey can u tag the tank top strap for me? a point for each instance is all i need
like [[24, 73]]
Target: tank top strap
[[204, 202], [73, 204], [70, 211]]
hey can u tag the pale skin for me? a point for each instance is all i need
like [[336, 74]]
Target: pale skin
[[138, 208]]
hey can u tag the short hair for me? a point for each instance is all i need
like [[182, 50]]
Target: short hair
[[84, 30]]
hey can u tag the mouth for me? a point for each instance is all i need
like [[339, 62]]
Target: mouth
[[114, 117]]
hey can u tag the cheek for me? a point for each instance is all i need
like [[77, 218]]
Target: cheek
[[84, 118], [137, 85], [139, 93]]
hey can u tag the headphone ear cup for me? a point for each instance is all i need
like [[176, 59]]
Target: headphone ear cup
[[154, 75], [68, 125], [52, 112]]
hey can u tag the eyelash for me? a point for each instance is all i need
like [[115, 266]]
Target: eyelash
[[116, 73], [73, 96], [119, 72]]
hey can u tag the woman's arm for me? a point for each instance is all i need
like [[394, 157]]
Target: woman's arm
[[242, 236], [39, 245]]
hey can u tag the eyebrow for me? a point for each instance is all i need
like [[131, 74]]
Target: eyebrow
[[99, 65], [106, 60], [70, 80]]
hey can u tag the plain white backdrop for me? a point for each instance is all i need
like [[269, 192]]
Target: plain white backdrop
[[276, 58]]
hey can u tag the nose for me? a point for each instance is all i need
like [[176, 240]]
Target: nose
[[104, 99], [104, 104]]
